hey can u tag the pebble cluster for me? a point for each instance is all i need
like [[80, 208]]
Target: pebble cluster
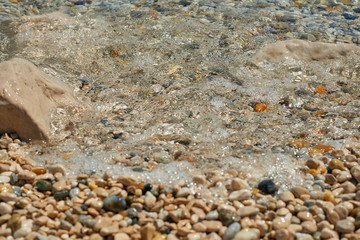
[[42, 203]]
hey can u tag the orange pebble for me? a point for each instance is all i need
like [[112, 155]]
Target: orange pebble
[[324, 147], [320, 89], [38, 170], [313, 150], [322, 170], [328, 196], [124, 213], [260, 107], [314, 172], [255, 191], [93, 185]]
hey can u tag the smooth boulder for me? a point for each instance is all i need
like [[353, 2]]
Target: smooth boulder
[[27, 98]]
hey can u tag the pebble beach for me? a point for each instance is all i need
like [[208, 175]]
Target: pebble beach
[[193, 120]]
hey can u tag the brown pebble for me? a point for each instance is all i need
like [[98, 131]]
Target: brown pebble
[[281, 222], [309, 227], [326, 233], [286, 196], [121, 236], [330, 179], [199, 227], [238, 184], [247, 211], [126, 180], [305, 216], [212, 226], [199, 179], [282, 234], [299, 190], [147, 232]]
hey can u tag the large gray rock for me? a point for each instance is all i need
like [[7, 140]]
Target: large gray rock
[[27, 97], [305, 51]]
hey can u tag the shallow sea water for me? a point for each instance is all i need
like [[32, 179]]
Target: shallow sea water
[[169, 89]]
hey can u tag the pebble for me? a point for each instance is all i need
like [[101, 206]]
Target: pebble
[[267, 186], [309, 227], [286, 196], [240, 195], [231, 231], [57, 168], [247, 211], [150, 200], [44, 185], [5, 208], [246, 234], [345, 226], [114, 203], [238, 184], [7, 197], [282, 222]]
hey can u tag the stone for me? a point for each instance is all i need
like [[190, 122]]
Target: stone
[[147, 232], [299, 190], [246, 234], [28, 96], [150, 200], [57, 168], [59, 186], [199, 179], [240, 195], [6, 196], [267, 186], [114, 203], [101, 192], [24, 230], [286, 196], [109, 230], [26, 175], [282, 234], [183, 192], [238, 184], [126, 180], [212, 226], [5, 209], [247, 211], [305, 216], [345, 226], [305, 51], [309, 227], [101, 223], [121, 236], [326, 233], [199, 227], [313, 163], [231, 231], [355, 171], [282, 222], [4, 179]]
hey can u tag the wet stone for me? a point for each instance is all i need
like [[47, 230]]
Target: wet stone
[[267, 186], [114, 203], [61, 195], [43, 185]]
